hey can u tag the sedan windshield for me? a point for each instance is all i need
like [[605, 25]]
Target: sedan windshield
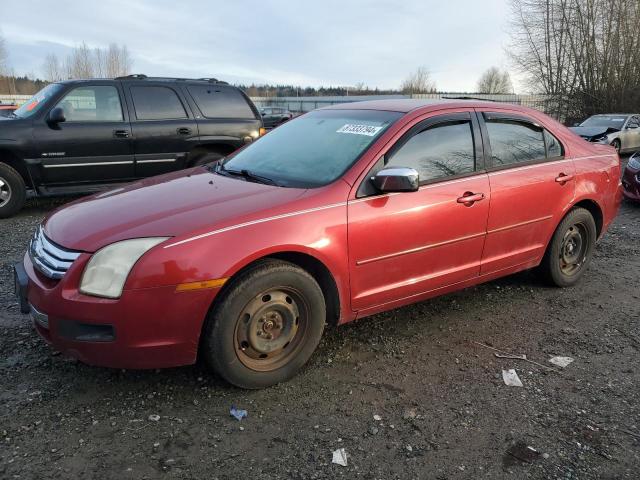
[[36, 102], [313, 150], [605, 121]]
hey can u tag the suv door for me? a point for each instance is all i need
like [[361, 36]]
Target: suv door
[[93, 144], [163, 127], [531, 185], [406, 244]]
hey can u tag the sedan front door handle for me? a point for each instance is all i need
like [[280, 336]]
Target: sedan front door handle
[[469, 198]]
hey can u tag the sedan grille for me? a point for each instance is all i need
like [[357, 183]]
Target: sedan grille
[[50, 259]]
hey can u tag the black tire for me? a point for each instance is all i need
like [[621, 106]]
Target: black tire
[[12, 191], [570, 250], [617, 145], [206, 158], [238, 343]]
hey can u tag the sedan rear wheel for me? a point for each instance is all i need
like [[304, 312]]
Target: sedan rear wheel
[[265, 325], [571, 249]]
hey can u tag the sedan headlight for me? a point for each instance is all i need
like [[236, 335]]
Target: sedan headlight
[[109, 267]]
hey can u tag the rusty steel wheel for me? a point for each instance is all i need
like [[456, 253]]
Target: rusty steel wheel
[[270, 328], [570, 249], [265, 324], [574, 248]]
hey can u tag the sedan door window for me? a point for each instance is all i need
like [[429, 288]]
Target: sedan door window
[[441, 151], [514, 142]]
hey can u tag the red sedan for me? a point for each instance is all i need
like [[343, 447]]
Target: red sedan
[[341, 213]]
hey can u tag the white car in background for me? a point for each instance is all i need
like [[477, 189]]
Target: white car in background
[[621, 130]]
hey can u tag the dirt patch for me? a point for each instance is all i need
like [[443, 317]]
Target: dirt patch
[[442, 408]]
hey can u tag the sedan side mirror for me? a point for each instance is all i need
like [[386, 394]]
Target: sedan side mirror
[[396, 179], [57, 116]]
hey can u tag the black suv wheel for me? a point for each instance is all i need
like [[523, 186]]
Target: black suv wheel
[[12, 191]]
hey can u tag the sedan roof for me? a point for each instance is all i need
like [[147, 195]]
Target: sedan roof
[[405, 105]]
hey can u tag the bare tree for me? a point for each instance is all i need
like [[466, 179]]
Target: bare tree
[[4, 56], [585, 53], [84, 62], [495, 81], [118, 61], [418, 82], [52, 68]]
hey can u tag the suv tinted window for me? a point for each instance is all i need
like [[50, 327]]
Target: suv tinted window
[[99, 103], [157, 103], [220, 102], [440, 151], [514, 142]]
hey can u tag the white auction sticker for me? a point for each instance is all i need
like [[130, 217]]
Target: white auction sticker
[[368, 130]]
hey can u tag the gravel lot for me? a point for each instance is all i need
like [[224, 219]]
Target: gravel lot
[[444, 410]]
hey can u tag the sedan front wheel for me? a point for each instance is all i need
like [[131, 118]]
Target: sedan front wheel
[[265, 326]]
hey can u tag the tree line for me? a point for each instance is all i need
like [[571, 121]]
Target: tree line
[[585, 54]]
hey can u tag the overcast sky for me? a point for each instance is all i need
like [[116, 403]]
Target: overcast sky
[[344, 42]]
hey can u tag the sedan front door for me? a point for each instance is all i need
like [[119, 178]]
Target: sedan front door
[[402, 245]]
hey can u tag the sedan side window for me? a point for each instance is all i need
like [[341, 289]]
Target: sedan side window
[[441, 151], [100, 103], [514, 142], [633, 123], [554, 147]]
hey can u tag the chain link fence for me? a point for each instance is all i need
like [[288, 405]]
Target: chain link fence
[[544, 103]]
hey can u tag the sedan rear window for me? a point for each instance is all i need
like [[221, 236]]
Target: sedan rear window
[[315, 149], [514, 142]]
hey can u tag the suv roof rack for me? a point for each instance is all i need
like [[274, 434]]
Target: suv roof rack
[[141, 76], [138, 76]]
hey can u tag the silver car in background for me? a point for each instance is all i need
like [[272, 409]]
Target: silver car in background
[[620, 130]]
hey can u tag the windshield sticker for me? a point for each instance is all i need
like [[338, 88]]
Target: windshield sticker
[[368, 130]]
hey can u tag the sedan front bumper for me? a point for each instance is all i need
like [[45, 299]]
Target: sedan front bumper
[[145, 328]]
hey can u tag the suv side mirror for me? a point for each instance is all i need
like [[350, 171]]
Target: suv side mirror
[[396, 179], [56, 116]]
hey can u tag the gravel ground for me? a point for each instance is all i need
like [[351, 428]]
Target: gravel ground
[[441, 407]]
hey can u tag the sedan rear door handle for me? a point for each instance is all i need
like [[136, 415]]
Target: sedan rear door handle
[[469, 198], [184, 131], [563, 178]]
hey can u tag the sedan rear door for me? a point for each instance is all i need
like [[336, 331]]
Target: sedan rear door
[[532, 183]]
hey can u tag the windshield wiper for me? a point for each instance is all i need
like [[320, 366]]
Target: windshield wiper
[[247, 175]]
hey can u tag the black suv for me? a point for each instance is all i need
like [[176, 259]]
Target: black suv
[[83, 136]]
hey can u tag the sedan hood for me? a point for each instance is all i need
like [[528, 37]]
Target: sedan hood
[[164, 206], [593, 132]]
